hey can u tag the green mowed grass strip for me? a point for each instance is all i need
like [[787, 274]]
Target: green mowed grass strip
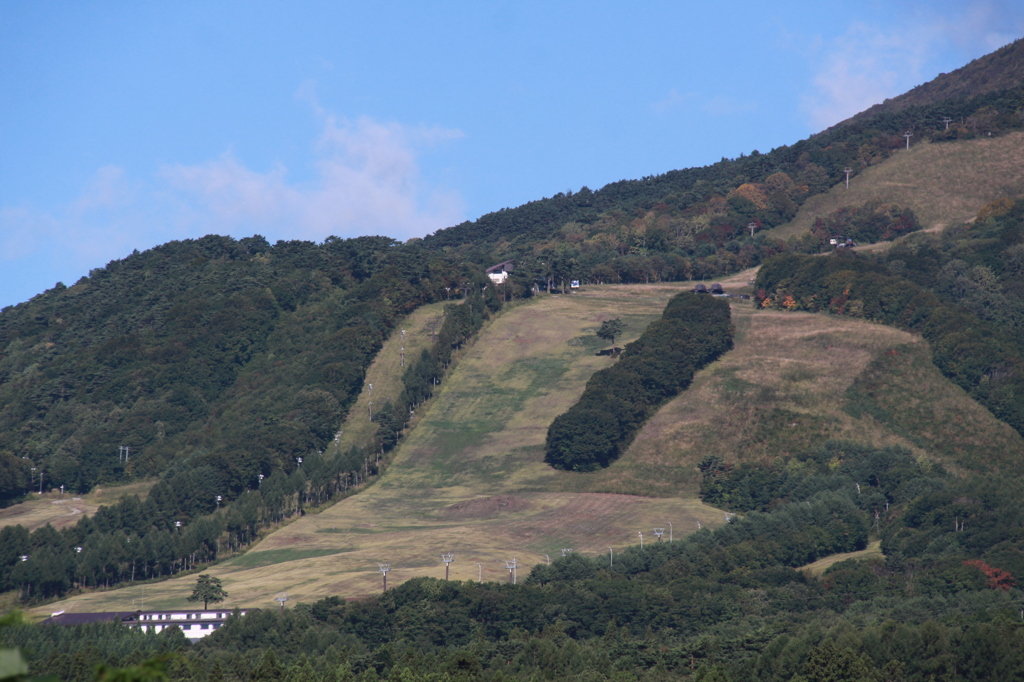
[[277, 556]]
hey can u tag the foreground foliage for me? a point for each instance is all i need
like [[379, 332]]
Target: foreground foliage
[[719, 605]]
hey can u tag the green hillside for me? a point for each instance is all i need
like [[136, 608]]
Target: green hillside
[[943, 184]]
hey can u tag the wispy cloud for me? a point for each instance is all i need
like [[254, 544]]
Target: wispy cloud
[[869, 63], [367, 182], [366, 179]]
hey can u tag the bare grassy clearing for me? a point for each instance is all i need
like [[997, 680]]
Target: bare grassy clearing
[[385, 373], [873, 550], [944, 183], [337, 551], [65, 510], [796, 380]]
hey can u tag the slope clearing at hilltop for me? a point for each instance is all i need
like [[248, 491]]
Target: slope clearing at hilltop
[[944, 183]]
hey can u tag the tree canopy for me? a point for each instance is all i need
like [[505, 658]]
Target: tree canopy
[[208, 589], [610, 329]]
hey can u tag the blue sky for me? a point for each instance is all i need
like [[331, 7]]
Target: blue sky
[[124, 125]]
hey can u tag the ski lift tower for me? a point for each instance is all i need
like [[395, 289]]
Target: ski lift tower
[[511, 566], [447, 559]]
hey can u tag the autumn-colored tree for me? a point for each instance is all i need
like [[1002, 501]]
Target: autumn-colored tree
[[998, 579]]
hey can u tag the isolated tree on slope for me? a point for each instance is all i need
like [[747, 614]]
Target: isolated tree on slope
[[610, 329], [208, 589]]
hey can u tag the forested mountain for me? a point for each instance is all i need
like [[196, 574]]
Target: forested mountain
[[197, 347]]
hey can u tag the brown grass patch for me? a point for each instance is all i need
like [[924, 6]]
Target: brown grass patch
[[484, 507]]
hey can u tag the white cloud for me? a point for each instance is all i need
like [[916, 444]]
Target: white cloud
[[869, 63], [368, 182], [95, 225]]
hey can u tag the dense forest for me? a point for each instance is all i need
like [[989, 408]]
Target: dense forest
[[724, 605], [187, 351]]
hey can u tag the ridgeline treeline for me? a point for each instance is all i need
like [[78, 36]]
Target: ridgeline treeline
[[696, 223], [723, 605], [960, 290], [693, 331]]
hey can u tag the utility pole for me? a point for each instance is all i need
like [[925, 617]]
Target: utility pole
[[947, 121], [447, 559], [659, 532], [566, 551], [479, 572], [848, 171], [670, 532], [751, 226], [384, 568], [908, 135], [281, 599], [403, 348], [370, 391], [640, 533], [611, 557], [123, 454]]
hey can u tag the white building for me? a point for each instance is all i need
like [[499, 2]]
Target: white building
[[194, 624]]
